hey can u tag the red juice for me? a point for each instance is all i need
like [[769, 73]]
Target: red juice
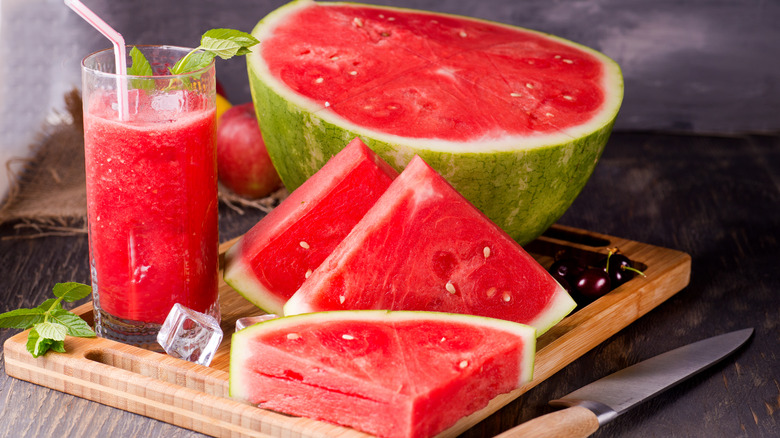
[[152, 203]]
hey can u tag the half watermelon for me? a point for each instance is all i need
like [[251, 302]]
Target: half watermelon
[[514, 119], [423, 246], [391, 374], [268, 263]]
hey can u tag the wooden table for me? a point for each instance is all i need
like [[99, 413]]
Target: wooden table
[[715, 198]]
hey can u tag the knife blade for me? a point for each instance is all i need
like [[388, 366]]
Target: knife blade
[[598, 403]]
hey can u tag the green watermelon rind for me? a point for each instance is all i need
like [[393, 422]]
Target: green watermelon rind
[[240, 348], [499, 178]]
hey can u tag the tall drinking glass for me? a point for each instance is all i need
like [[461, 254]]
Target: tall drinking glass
[[151, 193]]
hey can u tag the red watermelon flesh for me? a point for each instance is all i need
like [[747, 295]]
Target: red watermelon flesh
[[270, 262], [391, 374], [423, 246], [460, 79]]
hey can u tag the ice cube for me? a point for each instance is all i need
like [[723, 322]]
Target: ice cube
[[242, 323], [173, 101], [190, 335]]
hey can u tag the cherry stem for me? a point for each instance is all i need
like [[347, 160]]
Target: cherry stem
[[629, 268]]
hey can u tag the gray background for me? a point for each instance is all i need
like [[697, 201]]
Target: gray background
[[698, 66]]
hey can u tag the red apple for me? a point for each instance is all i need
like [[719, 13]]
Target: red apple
[[243, 164]]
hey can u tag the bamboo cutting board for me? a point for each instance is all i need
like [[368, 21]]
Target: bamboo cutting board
[[196, 397]]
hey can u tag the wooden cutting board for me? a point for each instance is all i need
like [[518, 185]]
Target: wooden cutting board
[[196, 397]]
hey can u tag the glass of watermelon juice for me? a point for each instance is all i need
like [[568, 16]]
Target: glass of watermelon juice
[[151, 193]]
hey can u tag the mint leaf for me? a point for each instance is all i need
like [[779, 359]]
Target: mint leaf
[[38, 345], [58, 346], [225, 43], [51, 330], [140, 65], [71, 291], [22, 318], [50, 304], [75, 325], [194, 60], [49, 322]]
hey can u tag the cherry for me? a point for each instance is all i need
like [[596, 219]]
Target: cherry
[[593, 283], [586, 282], [620, 268], [568, 268]]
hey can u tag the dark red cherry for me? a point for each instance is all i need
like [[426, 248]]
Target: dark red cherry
[[619, 267], [568, 268], [593, 283]]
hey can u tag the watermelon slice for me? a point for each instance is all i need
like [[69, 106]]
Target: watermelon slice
[[514, 119], [423, 246], [392, 374], [268, 264]]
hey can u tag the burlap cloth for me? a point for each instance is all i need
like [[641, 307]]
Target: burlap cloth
[[47, 193]]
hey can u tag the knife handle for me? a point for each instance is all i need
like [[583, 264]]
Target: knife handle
[[573, 422]]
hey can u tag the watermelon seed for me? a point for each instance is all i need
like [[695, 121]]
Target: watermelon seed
[[390, 18], [567, 97], [463, 34], [443, 339], [334, 58], [304, 245], [342, 298], [490, 292], [506, 297], [548, 114], [293, 336], [463, 364], [515, 94], [450, 287], [529, 85], [486, 251], [353, 72], [568, 61], [357, 22], [319, 80], [307, 274], [347, 337]]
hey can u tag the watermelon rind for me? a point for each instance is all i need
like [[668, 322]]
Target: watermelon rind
[[241, 341], [523, 183], [240, 276]]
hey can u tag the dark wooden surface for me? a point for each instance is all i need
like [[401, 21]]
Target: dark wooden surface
[[716, 198]]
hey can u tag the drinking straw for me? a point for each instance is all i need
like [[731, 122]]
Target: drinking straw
[[120, 51]]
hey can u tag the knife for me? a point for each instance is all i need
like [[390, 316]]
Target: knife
[[598, 403]]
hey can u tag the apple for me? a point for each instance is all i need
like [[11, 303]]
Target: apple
[[243, 164]]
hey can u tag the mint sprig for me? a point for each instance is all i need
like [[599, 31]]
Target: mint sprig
[[49, 322], [225, 43]]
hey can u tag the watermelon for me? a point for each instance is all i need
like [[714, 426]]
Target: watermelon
[[391, 374], [516, 120], [268, 263], [423, 246]]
